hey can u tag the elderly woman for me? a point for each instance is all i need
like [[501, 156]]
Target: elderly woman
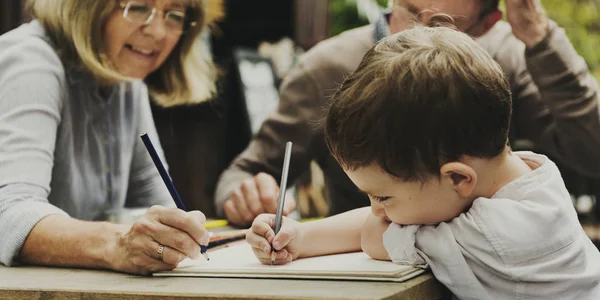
[[72, 108]]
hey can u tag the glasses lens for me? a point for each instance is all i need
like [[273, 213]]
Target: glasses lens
[[137, 12], [175, 21]]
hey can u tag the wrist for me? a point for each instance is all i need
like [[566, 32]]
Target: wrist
[[112, 252], [308, 235], [538, 36]]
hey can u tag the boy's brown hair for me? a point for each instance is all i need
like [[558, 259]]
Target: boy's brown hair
[[420, 98]]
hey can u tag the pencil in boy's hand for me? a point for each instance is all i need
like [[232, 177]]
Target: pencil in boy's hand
[[281, 201], [167, 180]]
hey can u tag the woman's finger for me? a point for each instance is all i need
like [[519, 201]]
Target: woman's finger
[[164, 254], [146, 261], [168, 236], [191, 223]]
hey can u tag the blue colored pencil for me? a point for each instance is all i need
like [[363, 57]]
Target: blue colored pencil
[[167, 180]]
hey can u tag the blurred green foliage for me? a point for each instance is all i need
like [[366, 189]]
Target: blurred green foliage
[[581, 21], [580, 18], [344, 15]]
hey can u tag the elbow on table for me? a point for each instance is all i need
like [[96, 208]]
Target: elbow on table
[[373, 249]]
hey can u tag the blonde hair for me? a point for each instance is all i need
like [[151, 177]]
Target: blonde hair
[[186, 77]]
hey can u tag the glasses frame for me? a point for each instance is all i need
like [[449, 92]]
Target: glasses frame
[[126, 5], [488, 9]]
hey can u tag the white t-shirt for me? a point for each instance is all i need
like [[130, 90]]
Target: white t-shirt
[[525, 242]]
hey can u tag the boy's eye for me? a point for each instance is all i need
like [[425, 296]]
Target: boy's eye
[[379, 198]]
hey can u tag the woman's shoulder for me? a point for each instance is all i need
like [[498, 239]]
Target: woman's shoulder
[[28, 49], [30, 70]]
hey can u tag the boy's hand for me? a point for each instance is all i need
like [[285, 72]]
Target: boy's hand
[[287, 242], [528, 20], [371, 237], [253, 197]]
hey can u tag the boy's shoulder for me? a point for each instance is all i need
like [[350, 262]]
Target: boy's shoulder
[[529, 217]]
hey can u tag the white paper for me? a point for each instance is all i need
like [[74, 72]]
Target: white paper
[[238, 260]]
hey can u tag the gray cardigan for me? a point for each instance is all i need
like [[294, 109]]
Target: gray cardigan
[[67, 146]]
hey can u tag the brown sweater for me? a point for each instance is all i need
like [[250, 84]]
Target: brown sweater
[[556, 110]]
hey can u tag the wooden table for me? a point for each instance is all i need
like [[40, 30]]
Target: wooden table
[[58, 283], [28, 282]]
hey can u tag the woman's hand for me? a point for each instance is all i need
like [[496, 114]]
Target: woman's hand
[[161, 239], [287, 242]]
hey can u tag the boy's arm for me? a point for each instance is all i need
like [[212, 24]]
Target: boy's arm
[[337, 234], [371, 238]]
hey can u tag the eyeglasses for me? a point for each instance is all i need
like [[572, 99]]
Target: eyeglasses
[[141, 13], [411, 13]]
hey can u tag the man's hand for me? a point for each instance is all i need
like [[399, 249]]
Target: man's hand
[[255, 196], [528, 20]]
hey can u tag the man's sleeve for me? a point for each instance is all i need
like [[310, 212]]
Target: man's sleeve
[[297, 119], [556, 101]]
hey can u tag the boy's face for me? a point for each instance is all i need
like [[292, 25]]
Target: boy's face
[[408, 203]]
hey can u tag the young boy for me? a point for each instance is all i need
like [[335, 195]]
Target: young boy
[[422, 128]]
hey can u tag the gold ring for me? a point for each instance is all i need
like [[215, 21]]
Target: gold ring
[[161, 249]]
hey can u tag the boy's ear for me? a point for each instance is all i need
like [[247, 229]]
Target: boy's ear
[[462, 177], [491, 19]]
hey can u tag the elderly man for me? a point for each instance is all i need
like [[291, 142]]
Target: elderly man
[[556, 101]]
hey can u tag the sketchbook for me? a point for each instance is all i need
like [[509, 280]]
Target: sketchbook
[[238, 261]]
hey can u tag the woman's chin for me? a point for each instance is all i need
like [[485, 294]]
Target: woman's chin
[[135, 75]]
